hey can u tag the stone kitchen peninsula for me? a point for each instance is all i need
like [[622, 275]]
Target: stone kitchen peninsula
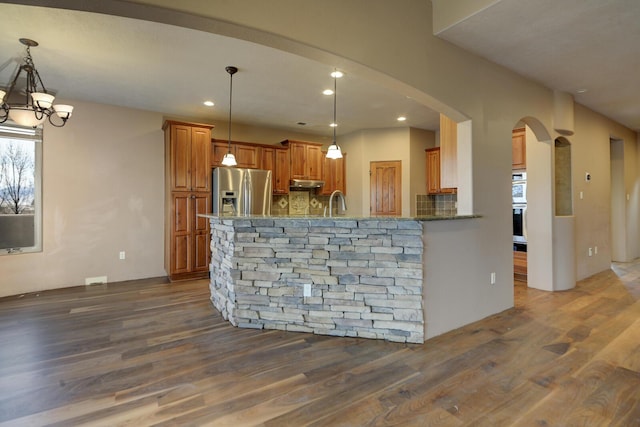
[[355, 277]]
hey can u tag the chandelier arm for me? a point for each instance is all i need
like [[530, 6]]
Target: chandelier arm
[[5, 114], [40, 105], [64, 120], [35, 83], [13, 85]]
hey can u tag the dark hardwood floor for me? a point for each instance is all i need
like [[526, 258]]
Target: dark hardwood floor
[[150, 353]]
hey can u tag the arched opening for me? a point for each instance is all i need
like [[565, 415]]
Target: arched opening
[[547, 237]]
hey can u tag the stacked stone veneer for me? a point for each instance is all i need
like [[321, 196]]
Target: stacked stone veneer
[[366, 275]]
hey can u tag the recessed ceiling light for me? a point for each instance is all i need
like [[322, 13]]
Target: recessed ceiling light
[[209, 103], [337, 74], [327, 92], [334, 125], [402, 118], [581, 90]]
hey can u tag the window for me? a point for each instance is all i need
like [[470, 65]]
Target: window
[[20, 189]]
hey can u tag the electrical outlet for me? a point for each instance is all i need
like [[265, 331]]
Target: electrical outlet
[[493, 277], [123, 255], [590, 251], [307, 290]]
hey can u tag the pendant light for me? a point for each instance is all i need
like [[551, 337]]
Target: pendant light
[[229, 159], [334, 151], [37, 105]]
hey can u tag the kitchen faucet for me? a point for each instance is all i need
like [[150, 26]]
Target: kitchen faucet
[[344, 203]]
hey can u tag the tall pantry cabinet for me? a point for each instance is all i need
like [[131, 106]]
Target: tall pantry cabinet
[[187, 194]]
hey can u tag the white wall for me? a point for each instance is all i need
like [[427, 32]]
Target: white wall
[[103, 181], [371, 146]]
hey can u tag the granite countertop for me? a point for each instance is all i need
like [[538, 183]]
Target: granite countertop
[[348, 218]]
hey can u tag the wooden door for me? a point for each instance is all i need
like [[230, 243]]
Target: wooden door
[[386, 188]]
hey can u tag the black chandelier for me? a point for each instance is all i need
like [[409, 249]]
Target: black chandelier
[[37, 104]]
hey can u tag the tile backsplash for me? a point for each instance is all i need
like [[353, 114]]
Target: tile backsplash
[[436, 204], [299, 202]]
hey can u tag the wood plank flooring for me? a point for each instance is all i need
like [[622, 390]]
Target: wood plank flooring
[[151, 353]]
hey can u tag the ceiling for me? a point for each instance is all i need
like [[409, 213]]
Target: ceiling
[[173, 70], [568, 45]]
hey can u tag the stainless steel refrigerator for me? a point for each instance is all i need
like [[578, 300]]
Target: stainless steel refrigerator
[[241, 192]]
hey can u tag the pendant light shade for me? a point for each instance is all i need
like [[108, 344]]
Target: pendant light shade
[[334, 151], [229, 159]]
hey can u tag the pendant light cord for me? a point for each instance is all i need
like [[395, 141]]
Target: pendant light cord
[[335, 96], [230, 98]]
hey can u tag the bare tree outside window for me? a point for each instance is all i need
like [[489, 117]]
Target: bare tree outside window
[[20, 189], [17, 177]]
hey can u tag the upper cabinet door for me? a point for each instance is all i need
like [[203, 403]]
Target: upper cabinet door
[[180, 151], [433, 170], [448, 152], [189, 148], [298, 154], [281, 172], [200, 159], [333, 175], [314, 159], [248, 156], [519, 147]]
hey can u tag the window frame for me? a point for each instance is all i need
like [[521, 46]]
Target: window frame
[[11, 130]]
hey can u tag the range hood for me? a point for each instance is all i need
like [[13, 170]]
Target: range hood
[[305, 183]]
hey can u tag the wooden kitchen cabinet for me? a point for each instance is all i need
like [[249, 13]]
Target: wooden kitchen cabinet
[[448, 152], [282, 172], [189, 242], [433, 173], [520, 265], [187, 194], [187, 149], [334, 174], [277, 161], [305, 159], [247, 155], [519, 149]]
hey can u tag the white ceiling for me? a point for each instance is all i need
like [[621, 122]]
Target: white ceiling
[[172, 70], [567, 45], [563, 44]]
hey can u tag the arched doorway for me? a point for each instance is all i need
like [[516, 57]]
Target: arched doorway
[[547, 233]]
